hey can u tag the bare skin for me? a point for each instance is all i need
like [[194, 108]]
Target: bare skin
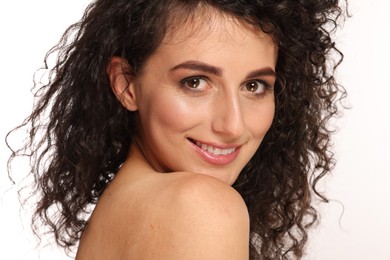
[[180, 215]]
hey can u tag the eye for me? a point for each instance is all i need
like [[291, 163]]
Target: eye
[[256, 87], [197, 83]]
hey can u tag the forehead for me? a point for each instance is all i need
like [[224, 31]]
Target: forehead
[[205, 22], [210, 35]]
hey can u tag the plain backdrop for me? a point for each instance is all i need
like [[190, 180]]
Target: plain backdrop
[[354, 225]]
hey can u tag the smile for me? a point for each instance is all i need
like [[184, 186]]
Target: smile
[[214, 150], [216, 154]]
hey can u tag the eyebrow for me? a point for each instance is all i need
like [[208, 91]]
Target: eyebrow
[[200, 66], [267, 71]]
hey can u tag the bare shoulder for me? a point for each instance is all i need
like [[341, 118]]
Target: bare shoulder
[[200, 217], [169, 216], [205, 195]]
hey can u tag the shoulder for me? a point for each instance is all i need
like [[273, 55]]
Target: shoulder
[[200, 217], [205, 195], [172, 216]]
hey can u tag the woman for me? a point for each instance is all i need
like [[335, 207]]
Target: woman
[[198, 128]]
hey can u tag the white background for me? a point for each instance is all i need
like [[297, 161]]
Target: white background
[[355, 225]]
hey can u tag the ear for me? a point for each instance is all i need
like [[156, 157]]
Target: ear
[[122, 82]]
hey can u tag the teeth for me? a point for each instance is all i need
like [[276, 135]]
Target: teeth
[[214, 150]]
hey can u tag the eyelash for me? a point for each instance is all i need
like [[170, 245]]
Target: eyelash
[[183, 83], [266, 85]]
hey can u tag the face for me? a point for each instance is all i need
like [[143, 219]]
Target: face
[[205, 97]]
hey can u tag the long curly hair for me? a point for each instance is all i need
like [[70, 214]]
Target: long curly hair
[[79, 134]]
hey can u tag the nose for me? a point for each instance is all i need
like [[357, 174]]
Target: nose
[[228, 116]]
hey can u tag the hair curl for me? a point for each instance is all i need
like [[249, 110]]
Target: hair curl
[[80, 134]]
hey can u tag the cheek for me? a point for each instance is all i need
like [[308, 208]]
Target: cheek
[[259, 122], [168, 112]]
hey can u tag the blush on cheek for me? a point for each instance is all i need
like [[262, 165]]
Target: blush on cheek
[[174, 112]]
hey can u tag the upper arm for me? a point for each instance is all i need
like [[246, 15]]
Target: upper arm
[[201, 218]]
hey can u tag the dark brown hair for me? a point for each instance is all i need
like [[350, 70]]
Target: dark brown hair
[[87, 133]]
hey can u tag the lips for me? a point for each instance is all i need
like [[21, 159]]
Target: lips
[[215, 150], [217, 155]]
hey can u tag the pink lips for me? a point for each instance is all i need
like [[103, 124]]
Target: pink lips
[[218, 155]]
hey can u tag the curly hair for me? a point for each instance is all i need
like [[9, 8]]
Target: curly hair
[[79, 133]]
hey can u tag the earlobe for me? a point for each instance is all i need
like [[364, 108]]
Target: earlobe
[[122, 82]]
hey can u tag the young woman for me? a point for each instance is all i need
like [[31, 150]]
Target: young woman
[[198, 128]]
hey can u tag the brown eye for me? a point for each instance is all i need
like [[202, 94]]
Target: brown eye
[[251, 86], [255, 87], [193, 83], [197, 83]]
